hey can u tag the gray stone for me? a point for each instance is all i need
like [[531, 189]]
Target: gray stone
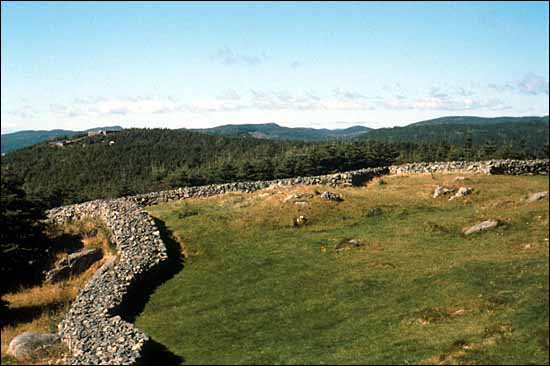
[[299, 221], [440, 190], [462, 192], [25, 344], [348, 244], [330, 196], [482, 226], [537, 196]]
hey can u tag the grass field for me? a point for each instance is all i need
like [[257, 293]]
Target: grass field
[[256, 289]]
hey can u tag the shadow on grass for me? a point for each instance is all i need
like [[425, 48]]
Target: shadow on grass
[[139, 294], [26, 314], [155, 353], [67, 243]]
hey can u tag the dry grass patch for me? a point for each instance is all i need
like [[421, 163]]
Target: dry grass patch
[[40, 308]]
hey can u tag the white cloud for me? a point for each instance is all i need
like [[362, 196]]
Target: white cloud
[[530, 84], [228, 56], [442, 102], [229, 94], [25, 111]]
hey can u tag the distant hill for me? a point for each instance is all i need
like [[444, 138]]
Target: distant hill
[[275, 132], [533, 131], [20, 139], [470, 120], [144, 160]]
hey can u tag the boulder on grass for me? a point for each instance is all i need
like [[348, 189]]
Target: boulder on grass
[[482, 226], [299, 221], [26, 344], [329, 196], [348, 244], [440, 190], [462, 192], [537, 196]]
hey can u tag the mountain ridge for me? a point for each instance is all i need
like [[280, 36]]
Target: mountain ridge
[[20, 139], [278, 132]]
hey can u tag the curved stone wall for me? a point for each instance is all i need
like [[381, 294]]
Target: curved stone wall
[[93, 328]]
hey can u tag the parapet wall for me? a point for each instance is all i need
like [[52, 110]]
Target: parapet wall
[[93, 328]]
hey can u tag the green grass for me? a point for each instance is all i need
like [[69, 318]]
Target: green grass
[[255, 289]]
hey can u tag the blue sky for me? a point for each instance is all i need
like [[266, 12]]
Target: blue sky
[[314, 64]]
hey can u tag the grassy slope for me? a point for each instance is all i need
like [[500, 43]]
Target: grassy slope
[[257, 290]]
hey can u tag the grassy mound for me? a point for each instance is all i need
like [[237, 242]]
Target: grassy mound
[[257, 289]]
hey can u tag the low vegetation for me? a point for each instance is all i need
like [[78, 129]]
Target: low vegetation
[[40, 307], [256, 289]]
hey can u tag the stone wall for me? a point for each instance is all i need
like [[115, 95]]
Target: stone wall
[[508, 167], [94, 329], [351, 178]]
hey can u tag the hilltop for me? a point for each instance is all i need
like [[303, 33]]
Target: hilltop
[[472, 120], [274, 131], [457, 130], [18, 140]]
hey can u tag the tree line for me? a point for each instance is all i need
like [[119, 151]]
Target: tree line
[[144, 160]]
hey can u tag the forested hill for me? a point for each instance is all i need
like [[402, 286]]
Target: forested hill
[[21, 139], [516, 135], [276, 132], [482, 121], [143, 160]]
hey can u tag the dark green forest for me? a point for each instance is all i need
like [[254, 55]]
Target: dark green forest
[[273, 131], [23, 245], [144, 160], [531, 134]]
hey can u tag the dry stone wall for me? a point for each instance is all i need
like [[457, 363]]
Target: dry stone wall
[[351, 178], [507, 167], [94, 329]]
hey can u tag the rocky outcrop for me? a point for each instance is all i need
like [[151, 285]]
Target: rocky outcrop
[[26, 344], [73, 264]]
